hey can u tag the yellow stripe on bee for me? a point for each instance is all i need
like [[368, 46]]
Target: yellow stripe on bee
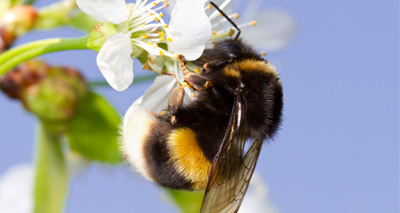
[[189, 158], [231, 71], [251, 65]]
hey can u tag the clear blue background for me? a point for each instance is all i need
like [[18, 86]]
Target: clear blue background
[[338, 150]]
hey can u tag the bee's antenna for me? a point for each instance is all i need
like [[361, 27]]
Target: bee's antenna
[[227, 18]]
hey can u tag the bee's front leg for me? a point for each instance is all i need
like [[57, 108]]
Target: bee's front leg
[[196, 81], [175, 101]]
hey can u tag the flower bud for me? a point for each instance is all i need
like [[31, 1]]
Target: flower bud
[[23, 76], [6, 38], [19, 20], [51, 93], [52, 99]]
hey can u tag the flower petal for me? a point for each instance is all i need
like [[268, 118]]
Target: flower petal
[[16, 189], [273, 31], [156, 97], [257, 199], [114, 11], [190, 29], [115, 62]]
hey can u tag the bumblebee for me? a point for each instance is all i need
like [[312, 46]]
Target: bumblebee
[[201, 144]]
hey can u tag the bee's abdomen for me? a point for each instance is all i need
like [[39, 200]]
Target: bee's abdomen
[[188, 157], [159, 163], [163, 154]]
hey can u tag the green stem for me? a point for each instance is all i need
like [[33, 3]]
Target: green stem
[[135, 81], [51, 178], [15, 56]]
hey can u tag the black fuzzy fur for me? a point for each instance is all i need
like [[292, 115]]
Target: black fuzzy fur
[[209, 113]]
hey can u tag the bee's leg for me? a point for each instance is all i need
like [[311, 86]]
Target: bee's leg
[[175, 101], [197, 82]]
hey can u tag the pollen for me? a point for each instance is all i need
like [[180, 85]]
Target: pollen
[[165, 1], [151, 14], [213, 42], [197, 70], [166, 4], [208, 84], [155, 4], [161, 53], [161, 33], [162, 38], [213, 32], [235, 15], [191, 94], [170, 39], [253, 23], [221, 14], [209, 6], [263, 53], [231, 32], [163, 112], [144, 35], [157, 19], [161, 15], [185, 84], [165, 26], [149, 43]]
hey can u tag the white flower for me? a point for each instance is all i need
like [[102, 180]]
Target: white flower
[[278, 31], [256, 199], [16, 189], [141, 27], [156, 96], [190, 27], [269, 30]]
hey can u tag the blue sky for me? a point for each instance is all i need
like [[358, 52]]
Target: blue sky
[[338, 150]]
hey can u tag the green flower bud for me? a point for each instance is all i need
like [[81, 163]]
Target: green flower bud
[[56, 96], [72, 77], [28, 73], [53, 99], [51, 93]]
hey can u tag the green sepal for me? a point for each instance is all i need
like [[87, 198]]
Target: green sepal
[[93, 130], [99, 35]]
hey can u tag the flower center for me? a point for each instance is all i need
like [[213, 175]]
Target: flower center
[[146, 26]]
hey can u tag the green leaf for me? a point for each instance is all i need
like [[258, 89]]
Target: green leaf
[[51, 175], [188, 202], [93, 130]]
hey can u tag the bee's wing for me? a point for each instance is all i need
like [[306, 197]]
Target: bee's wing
[[231, 172]]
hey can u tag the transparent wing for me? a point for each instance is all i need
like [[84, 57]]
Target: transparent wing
[[231, 171]]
